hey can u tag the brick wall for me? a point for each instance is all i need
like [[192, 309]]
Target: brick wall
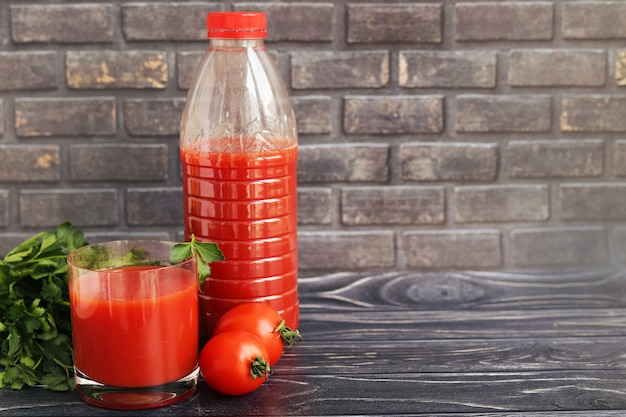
[[434, 134]]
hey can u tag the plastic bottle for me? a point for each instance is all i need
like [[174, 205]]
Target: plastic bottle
[[238, 148]]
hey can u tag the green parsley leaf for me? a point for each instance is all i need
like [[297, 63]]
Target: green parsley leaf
[[204, 252], [180, 252]]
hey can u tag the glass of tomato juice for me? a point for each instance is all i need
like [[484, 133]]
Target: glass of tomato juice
[[134, 324]]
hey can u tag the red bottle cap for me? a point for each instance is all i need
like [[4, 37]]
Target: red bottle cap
[[236, 25]]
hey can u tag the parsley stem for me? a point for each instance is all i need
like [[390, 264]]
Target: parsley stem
[[63, 365], [38, 260]]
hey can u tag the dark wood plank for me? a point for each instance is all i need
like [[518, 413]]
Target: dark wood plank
[[376, 394], [371, 324], [468, 290], [453, 355], [453, 392]]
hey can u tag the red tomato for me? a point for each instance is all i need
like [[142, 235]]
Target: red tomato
[[263, 321], [234, 362]]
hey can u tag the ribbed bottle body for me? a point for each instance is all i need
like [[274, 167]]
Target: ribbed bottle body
[[239, 157]]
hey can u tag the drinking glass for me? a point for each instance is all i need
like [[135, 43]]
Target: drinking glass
[[134, 324]]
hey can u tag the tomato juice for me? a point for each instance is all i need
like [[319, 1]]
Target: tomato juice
[[134, 328], [279, 302], [246, 202], [223, 288]]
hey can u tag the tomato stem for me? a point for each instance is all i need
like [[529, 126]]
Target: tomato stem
[[288, 335], [259, 367]]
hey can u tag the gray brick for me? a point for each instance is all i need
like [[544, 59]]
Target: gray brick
[[27, 70], [332, 69], [555, 158], [447, 69], [620, 68], [619, 245], [384, 22], [343, 163], [160, 117], [167, 21], [567, 68], [154, 206], [186, 64], [29, 163], [593, 113], [454, 249], [334, 250], [305, 22], [81, 207], [558, 247], [592, 201], [62, 23], [4, 213], [116, 69], [593, 20], [64, 116], [479, 113], [502, 203], [448, 161], [503, 21], [118, 162], [619, 158], [315, 205], [393, 115], [392, 205], [314, 114]]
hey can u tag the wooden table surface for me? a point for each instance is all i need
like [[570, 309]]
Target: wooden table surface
[[456, 344]]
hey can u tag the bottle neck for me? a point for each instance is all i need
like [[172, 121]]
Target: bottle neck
[[235, 43]]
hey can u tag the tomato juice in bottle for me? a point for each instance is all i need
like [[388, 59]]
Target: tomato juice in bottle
[[238, 149], [247, 204]]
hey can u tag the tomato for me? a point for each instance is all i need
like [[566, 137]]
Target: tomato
[[234, 362], [263, 321]]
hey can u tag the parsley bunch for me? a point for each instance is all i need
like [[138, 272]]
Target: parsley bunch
[[35, 326]]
